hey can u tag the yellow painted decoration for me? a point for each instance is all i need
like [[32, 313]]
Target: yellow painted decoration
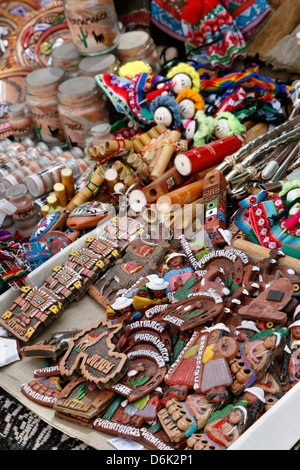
[[100, 263], [6, 315], [25, 289], [193, 351], [54, 309], [30, 332], [73, 253], [57, 268], [208, 353]]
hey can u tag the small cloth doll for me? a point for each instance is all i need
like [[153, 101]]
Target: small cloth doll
[[165, 111], [203, 129], [184, 76], [189, 102], [214, 32], [291, 192], [130, 69], [227, 124]]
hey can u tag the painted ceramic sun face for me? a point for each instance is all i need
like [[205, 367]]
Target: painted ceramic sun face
[[163, 116], [181, 81], [222, 129], [187, 109]]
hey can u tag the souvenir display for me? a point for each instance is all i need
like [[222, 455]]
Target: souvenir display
[[9, 23], [150, 204], [93, 25], [38, 33]]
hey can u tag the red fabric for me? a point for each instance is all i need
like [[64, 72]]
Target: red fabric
[[196, 9]]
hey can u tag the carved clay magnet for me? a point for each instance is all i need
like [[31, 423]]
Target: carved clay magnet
[[52, 346], [124, 418], [65, 282], [203, 363], [268, 305], [255, 357], [195, 310], [43, 391], [223, 429], [181, 419], [92, 354], [125, 273], [146, 372], [82, 401], [152, 332], [31, 311]]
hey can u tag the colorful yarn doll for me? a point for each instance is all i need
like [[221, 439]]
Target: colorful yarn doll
[[204, 128], [214, 32], [131, 69], [189, 102], [165, 111], [227, 124], [184, 76]]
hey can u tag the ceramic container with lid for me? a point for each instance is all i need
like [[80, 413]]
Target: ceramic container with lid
[[41, 97], [25, 217], [138, 45], [66, 57], [93, 25], [81, 105], [91, 66], [20, 122]]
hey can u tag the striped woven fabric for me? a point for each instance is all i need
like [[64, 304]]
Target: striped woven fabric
[[21, 429]]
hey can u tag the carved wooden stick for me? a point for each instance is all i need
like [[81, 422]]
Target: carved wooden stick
[[181, 196], [166, 155]]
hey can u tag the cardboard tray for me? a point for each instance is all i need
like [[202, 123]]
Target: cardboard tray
[[278, 429]]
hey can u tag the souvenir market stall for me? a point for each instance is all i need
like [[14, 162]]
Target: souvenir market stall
[[149, 225]]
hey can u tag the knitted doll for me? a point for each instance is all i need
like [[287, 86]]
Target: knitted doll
[[165, 111], [214, 32], [227, 124], [189, 102], [184, 76], [205, 126], [198, 131]]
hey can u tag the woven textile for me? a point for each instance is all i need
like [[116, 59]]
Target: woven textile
[[21, 429], [134, 14]]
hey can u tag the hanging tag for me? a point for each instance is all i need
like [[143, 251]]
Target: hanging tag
[[122, 443]]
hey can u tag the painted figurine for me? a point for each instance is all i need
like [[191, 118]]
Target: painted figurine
[[189, 102], [227, 124], [181, 419], [166, 111], [184, 76], [122, 307], [174, 267], [225, 426]]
